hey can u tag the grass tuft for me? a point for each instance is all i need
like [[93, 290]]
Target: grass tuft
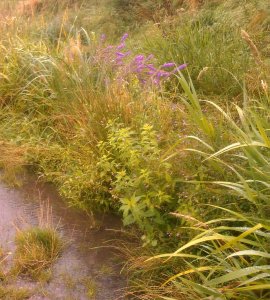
[[37, 249], [13, 293]]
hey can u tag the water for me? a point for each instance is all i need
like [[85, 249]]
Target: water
[[80, 269]]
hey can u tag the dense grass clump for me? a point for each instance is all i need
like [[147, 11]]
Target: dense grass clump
[[36, 249], [166, 124], [13, 293]]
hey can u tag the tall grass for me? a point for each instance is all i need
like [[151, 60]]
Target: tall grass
[[191, 174], [224, 261], [246, 154], [210, 42], [219, 257]]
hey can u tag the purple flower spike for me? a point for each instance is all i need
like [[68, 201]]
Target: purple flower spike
[[124, 37], [124, 65], [161, 74], [151, 67], [110, 47], [121, 46], [150, 57], [181, 67], [120, 54], [139, 58], [103, 38], [168, 65]]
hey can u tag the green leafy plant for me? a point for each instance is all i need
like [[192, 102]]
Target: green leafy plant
[[132, 172]]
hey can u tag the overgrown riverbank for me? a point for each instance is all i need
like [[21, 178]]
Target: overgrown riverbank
[[166, 125]]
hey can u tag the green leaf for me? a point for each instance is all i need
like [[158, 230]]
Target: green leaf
[[238, 274], [190, 271], [239, 238], [250, 253]]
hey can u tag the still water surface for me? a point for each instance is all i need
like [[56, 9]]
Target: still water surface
[[81, 269]]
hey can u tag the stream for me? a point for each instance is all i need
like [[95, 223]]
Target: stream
[[81, 272]]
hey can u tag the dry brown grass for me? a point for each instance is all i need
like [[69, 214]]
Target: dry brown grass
[[12, 161], [194, 5], [73, 52], [28, 7], [254, 50]]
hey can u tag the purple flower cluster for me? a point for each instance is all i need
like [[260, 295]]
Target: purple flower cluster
[[124, 66]]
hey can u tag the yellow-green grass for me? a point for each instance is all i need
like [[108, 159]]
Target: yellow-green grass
[[14, 293], [36, 250]]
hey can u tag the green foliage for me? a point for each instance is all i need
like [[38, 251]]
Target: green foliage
[[246, 155], [140, 11], [210, 46], [224, 261], [168, 154], [131, 169]]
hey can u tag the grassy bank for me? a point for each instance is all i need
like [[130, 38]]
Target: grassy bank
[[166, 125]]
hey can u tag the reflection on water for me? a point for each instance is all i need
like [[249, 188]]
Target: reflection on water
[[81, 270]]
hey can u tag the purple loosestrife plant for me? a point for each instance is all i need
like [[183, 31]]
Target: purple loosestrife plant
[[123, 66], [124, 37]]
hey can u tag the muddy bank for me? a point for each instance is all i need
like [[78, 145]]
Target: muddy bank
[[81, 272]]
